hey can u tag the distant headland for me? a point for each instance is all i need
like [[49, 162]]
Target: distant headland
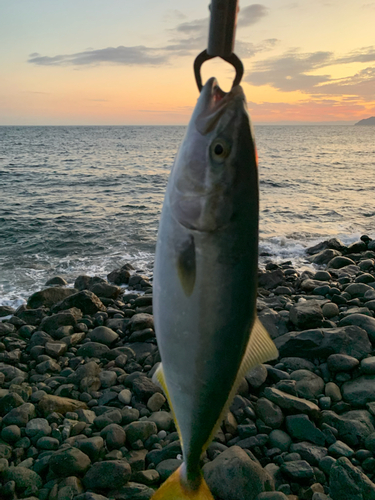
[[367, 121]]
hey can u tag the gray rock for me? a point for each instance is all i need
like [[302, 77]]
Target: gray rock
[[291, 403], [349, 483], [324, 257], [57, 280], [11, 433], [269, 412], [107, 378], [50, 403], [330, 310], [20, 415], [257, 376], [341, 362], [105, 290], [103, 335], [358, 289], [271, 279], [109, 417], [38, 427], [353, 426], [9, 401], [114, 436], [312, 453], [140, 430], [273, 322], [301, 428], [363, 321], [167, 467], [279, 439], [48, 297], [340, 449], [47, 443], [132, 491], [69, 462], [24, 478], [92, 447], [308, 384], [144, 388], [332, 390], [89, 495], [234, 476], [162, 419], [85, 300], [306, 314], [339, 262], [271, 495], [141, 321], [12, 372], [155, 402], [296, 363], [359, 391], [107, 475], [125, 396], [351, 340], [368, 366], [298, 470], [92, 350], [83, 282], [65, 318]]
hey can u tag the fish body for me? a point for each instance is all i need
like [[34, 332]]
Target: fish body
[[205, 275]]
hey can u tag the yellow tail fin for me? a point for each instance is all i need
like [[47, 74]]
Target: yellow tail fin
[[172, 489]]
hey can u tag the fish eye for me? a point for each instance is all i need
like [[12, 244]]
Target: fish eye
[[220, 150]]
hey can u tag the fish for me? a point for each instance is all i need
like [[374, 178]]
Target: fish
[[205, 279]]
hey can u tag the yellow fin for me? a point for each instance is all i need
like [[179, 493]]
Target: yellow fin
[[260, 348], [172, 489], [159, 379]]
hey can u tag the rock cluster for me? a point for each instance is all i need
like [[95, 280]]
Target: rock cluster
[[81, 419]]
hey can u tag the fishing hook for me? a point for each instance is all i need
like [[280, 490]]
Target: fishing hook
[[221, 38], [232, 59]]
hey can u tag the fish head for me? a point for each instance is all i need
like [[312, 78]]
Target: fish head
[[216, 166]]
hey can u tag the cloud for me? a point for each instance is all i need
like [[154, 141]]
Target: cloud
[[189, 38], [311, 110], [112, 55], [251, 14], [174, 15], [292, 72]]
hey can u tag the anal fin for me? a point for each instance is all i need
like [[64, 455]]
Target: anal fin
[[260, 348], [159, 379]]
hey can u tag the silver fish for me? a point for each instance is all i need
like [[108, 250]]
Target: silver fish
[[205, 278]]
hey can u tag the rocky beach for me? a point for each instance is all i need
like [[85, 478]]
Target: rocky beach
[[81, 419]]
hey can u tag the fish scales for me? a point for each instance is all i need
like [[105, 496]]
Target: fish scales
[[205, 273]]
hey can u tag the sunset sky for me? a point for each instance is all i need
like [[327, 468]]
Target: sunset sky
[[123, 62]]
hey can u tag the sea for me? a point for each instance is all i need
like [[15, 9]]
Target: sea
[[87, 200]]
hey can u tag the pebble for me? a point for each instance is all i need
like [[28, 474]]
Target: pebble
[[83, 382]]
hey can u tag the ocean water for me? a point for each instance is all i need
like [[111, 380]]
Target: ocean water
[[85, 200]]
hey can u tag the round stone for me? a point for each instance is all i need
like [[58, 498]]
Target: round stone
[[368, 365], [341, 362], [269, 412], [11, 434], [332, 391], [330, 310], [125, 396]]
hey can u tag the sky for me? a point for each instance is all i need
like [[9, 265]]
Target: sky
[[128, 62]]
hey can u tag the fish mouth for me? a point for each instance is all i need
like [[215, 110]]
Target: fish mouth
[[216, 102]]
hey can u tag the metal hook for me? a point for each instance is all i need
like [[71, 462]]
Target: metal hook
[[232, 59]]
